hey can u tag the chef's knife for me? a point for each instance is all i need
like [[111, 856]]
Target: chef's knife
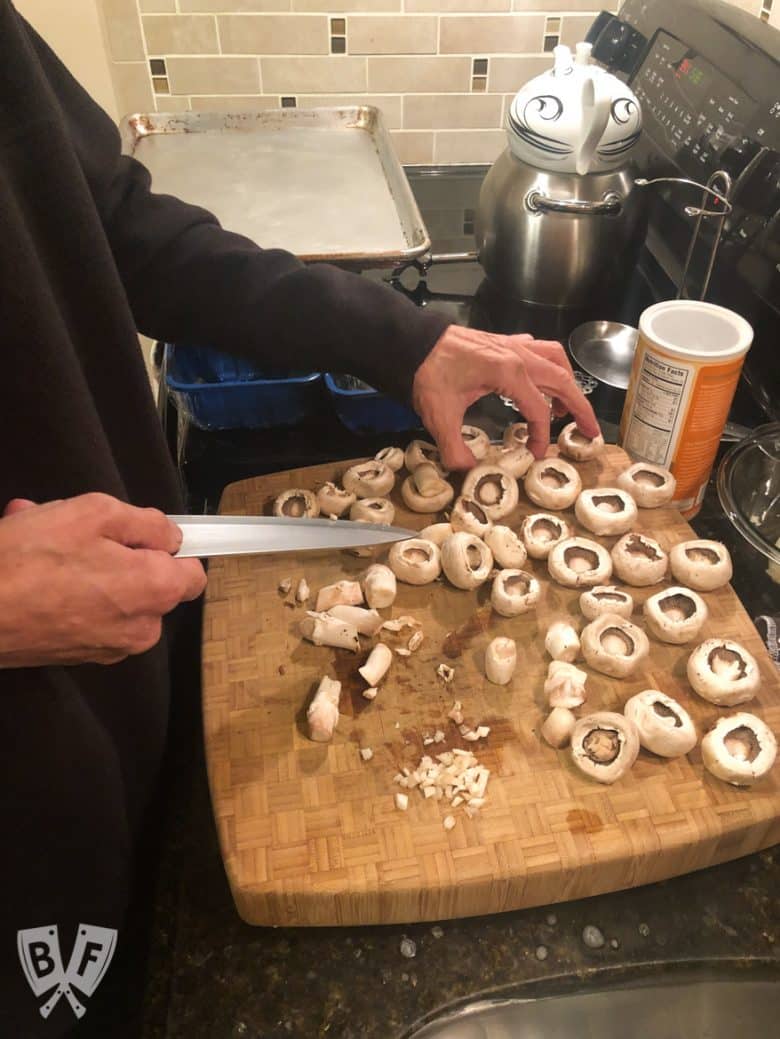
[[205, 536]]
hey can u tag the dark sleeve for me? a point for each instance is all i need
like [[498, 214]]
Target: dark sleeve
[[189, 280]]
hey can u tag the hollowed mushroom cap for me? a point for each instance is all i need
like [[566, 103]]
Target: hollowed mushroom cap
[[664, 726], [639, 560], [541, 532], [466, 560], [650, 485], [492, 488], [514, 592], [675, 615], [415, 561], [700, 564], [552, 483], [723, 672], [604, 745], [574, 444], [516, 434], [740, 749], [606, 598], [393, 457], [507, 548], [476, 439], [579, 562], [469, 515], [333, 500], [370, 479], [428, 502], [513, 459], [606, 510], [375, 510], [437, 533], [613, 645], [297, 503], [420, 451]]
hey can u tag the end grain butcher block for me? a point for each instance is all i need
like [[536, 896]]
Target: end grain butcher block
[[309, 832]]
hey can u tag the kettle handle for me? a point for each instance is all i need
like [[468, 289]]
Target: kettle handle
[[596, 101], [611, 203]]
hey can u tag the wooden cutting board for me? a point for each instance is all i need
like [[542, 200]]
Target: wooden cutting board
[[309, 832]]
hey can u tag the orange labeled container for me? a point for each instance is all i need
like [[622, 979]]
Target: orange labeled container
[[685, 371]]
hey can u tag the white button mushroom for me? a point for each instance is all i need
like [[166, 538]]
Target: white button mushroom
[[324, 630], [514, 592], [426, 490], [606, 510], [492, 488], [415, 561], [650, 485], [513, 459], [516, 435], [296, 503], [373, 510], [613, 645], [565, 685], [604, 745], [541, 532], [664, 726], [507, 548], [333, 500], [469, 515], [476, 439], [379, 586], [376, 667], [578, 562], [606, 598], [420, 451], [700, 564], [639, 560], [558, 727], [346, 593], [322, 714], [574, 444], [393, 457], [552, 483], [370, 479], [562, 641], [740, 749], [675, 615], [367, 622], [500, 660], [437, 533], [723, 672], [466, 560]]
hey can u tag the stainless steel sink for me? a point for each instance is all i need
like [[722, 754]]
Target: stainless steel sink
[[673, 1002]]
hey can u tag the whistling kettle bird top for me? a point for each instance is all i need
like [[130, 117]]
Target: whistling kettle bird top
[[575, 118]]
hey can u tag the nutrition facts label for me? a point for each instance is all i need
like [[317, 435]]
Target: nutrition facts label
[[659, 409]]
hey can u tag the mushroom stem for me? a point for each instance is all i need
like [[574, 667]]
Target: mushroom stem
[[379, 586], [562, 642], [367, 622], [500, 660], [324, 630], [565, 685], [377, 665], [346, 593], [322, 714]]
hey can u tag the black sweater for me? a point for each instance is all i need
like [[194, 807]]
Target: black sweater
[[89, 255]]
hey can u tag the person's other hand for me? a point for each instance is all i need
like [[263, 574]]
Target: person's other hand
[[87, 579], [465, 364]]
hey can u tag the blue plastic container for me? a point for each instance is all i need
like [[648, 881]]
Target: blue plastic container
[[219, 392], [363, 409]]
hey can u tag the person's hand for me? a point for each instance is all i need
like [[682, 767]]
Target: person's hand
[[465, 364], [87, 579]]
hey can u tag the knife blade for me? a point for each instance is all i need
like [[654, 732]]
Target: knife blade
[[204, 536]]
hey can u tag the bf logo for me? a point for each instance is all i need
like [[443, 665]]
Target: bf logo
[[39, 953]]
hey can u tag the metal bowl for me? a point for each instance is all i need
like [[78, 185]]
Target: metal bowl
[[605, 350], [749, 489]]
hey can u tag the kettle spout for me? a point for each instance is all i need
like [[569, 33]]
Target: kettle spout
[[596, 102]]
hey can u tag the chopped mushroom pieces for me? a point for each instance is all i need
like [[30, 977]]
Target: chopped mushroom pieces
[[370, 694], [366, 753], [302, 592], [449, 822], [285, 585], [456, 713], [322, 714], [402, 802], [445, 673]]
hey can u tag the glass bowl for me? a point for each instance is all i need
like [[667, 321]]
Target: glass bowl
[[749, 489]]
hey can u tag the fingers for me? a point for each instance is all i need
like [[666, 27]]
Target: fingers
[[17, 505], [443, 419], [131, 526], [158, 582], [552, 379]]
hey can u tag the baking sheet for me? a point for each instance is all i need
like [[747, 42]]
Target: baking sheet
[[323, 183]]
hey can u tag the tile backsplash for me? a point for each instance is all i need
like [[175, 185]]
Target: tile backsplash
[[442, 71]]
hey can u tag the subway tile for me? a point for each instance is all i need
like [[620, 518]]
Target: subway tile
[[451, 111], [419, 75], [403, 34], [213, 75], [181, 34], [327, 75], [234, 6], [503, 34], [389, 104], [157, 6], [558, 5], [226, 103], [509, 74], [132, 87], [123, 30], [413, 149], [465, 6], [273, 34], [337, 6], [574, 27], [468, 145]]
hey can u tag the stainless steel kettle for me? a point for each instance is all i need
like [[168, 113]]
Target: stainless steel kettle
[[552, 238]]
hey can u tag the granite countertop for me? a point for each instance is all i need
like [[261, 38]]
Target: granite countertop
[[214, 976]]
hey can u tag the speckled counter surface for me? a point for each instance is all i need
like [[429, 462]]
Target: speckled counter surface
[[213, 976]]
